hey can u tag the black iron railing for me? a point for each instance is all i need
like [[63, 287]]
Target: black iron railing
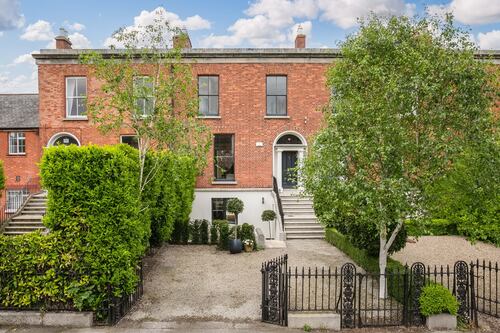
[[358, 298], [278, 199], [274, 291], [15, 196]]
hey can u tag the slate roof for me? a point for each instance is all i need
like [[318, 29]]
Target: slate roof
[[19, 111]]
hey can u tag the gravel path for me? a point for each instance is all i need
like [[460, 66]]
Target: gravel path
[[197, 282], [446, 250]]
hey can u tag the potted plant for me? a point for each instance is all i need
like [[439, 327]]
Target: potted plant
[[269, 216], [235, 206], [248, 244], [439, 307]]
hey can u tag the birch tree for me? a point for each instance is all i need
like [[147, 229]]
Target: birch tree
[[145, 86], [407, 97]]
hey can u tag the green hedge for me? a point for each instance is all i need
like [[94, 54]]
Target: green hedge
[[431, 227], [367, 262], [436, 299], [170, 196], [99, 226]]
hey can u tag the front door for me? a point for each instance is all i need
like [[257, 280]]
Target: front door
[[288, 171]]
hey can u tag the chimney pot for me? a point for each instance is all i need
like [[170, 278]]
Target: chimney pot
[[62, 40]]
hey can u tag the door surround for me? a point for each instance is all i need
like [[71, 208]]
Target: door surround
[[278, 148]]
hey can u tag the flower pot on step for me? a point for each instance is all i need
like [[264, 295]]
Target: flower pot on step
[[248, 248]]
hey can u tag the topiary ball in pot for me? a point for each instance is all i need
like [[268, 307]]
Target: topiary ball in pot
[[439, 306], [269, 216]]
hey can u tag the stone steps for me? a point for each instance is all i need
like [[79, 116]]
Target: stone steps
[[300, 220], [29, 218]]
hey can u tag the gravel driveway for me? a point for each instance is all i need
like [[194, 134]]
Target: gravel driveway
[[197, 282]]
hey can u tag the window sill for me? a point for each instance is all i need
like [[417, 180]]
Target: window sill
[[16, 155], [76, 119], [276, 117], [208, 117], [224, 182]]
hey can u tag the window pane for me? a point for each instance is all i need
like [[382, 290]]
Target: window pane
[[82, 108], [281, 85], [130, 140], [281, 105], [271, 105], [271, 85], [70, 87], [203, 85], [21, 143], [203, 106], [213, 85], [224, 157], [72, 107], [12, 143], [213, 105], [148, 106], [81, 85]]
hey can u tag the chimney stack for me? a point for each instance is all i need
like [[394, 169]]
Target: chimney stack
[[300, 39], [181, 40], [62, 40]]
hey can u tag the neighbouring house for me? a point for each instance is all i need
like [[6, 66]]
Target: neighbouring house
[[262, 105], [19, 147]]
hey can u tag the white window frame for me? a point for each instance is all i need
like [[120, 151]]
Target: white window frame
[[143, 99], [14, 149], [82, 97]]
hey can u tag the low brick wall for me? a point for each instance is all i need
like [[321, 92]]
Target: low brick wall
[[51, 319]]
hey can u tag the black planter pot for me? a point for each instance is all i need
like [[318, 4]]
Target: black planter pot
[[235, 246]]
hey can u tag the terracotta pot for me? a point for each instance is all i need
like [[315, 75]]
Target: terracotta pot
[[248, 248]]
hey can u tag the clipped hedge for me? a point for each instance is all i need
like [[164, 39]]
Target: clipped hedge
[[436, 299], [369, 263], [169, 196]]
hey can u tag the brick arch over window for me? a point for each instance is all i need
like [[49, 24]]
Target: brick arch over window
[[64, 138]]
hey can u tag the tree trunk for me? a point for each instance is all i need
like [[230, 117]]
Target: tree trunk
[[382, 263]]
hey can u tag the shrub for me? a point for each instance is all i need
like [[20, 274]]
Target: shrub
[[431, 227], [180, 233], [224, 233], [436, 299], [214, 233], [268, 215], [369, 263], [204, 232], [247, 232], [235, 206], [2, 177], [194, 230]]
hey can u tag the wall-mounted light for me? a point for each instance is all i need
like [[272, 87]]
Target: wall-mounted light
[[18, 179], [262, 200]]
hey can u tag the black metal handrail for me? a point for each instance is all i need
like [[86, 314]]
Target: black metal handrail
[[280, 206]]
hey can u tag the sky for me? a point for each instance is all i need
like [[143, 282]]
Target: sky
[[26, 26]]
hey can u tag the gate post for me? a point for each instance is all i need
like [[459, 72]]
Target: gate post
[[461, 270], [348, 290], [405, 296], [416, 285]]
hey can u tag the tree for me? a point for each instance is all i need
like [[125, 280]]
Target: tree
[[407, 98], [147, 88], [236, 207]]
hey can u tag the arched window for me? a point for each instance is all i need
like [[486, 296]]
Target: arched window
[[289, 139], [65, 139]]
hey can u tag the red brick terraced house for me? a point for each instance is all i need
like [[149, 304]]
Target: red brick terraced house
[[262, 105]]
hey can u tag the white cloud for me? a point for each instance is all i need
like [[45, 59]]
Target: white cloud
[[306, 30], [39, 31], [274, 22], [24, 59], [345, 13], [1, 33], [76, 26], [18, 83], [10, 18], [489, 40], [470, 11], [160, 14], [78, 41]]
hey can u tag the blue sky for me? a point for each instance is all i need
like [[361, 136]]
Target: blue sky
[[29, 25]]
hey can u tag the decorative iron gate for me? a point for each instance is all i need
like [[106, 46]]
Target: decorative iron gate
[[275, 291], [357, 296]]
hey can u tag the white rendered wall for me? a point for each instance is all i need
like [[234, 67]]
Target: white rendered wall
[[252, 199]]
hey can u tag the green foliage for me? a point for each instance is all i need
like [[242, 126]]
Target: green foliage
[[431, 227], [97, 237], [268, 215], [2, 177], [214, 233], [408, 97], [469, 196], [204, 232], [235, 206], [369, 263], [169, 195], [224, 234], [180, 233], [194, 230], [247, 231], [307, 328], [436, 299]]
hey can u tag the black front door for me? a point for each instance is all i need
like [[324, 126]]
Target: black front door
[[288, 172]]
